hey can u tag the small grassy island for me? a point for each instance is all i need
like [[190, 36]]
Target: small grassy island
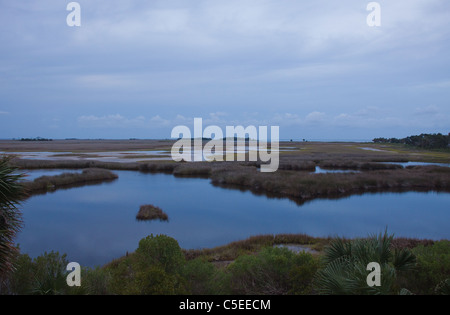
[[150, 212]]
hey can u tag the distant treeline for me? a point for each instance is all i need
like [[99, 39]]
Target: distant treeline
[[35, 139], [426, 141]]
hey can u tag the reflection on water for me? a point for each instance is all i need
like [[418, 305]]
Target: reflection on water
[[95, 224], [405, 164], [322, 170]]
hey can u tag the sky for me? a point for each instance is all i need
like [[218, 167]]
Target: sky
[[137, 69]]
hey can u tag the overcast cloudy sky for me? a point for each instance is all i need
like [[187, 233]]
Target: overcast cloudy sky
[[139, 68]]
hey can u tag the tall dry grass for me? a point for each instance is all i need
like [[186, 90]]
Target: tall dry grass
[[89, 176]]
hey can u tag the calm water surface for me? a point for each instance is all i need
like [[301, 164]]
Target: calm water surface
[[95, 224]]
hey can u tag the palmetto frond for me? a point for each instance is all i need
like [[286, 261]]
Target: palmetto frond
[[345, 270], [11, 193], [339, 248], [404, 260], [335, 278]]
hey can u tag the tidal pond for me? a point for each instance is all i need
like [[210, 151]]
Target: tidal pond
[[96, 224]]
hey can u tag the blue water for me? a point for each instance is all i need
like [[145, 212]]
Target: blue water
[[323, 170], [405, 164], [95, 224]]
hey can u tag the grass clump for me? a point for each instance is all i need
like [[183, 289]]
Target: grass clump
[[150, 212], [89, 176]]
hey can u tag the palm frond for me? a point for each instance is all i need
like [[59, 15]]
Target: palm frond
[[334, 278], [337, 249], [404, 260], [346, 271], [11, 193]]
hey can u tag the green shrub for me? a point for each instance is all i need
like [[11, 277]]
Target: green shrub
[[45, 274], [203, 278], [161, 250], [155, 268], [21, 280], [303, 273], [272, 271], [433, 268], [154, 280], [95, 281], [50, 273], [122, 273]]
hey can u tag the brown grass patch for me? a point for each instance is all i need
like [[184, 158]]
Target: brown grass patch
[[91, 176], [151, 212]]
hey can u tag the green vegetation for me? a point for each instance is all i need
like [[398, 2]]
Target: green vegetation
[[433, 269], [346, 262], [204, 278], [150, 212], [424, 141], [160, 266], [272, 271], [11, 193], [155, 268], [44, 275]]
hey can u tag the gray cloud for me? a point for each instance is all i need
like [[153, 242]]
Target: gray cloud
[[225, 61]]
